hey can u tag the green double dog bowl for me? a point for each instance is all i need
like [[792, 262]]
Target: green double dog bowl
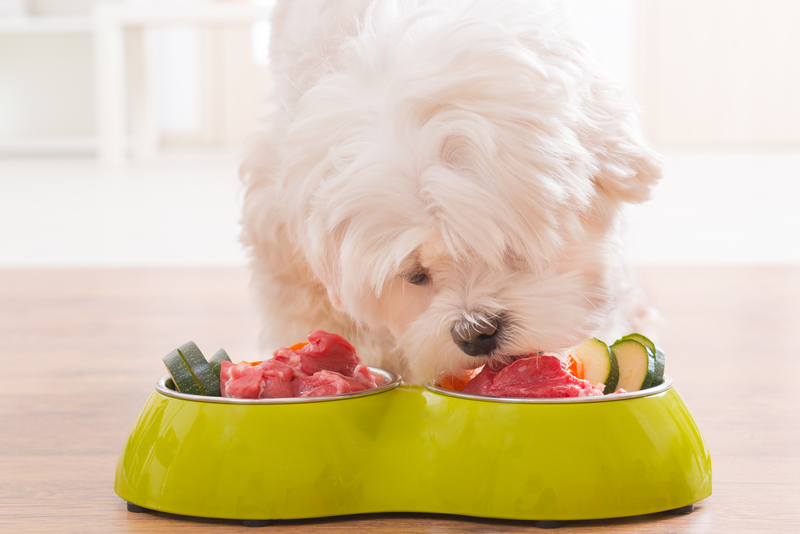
[[403, 448]]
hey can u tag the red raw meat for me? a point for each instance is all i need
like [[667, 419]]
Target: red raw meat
[[239, 381], [291, 358], [276, 380], [538, 376], [369, 380], [328, 365], [480, 384], [268, 380], [328, 352], [323, 383]]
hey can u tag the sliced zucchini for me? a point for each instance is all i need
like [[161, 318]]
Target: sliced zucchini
[[200, 369], [216, 361], [637, 364], [599, 364], [658, 378], [180, 373]]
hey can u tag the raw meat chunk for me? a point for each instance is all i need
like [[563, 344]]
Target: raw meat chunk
[[276, 380], [268, 380], [291, 358], [538, 376], [324, 383], [327, 365], [239, 381], [328, 352], [482, 382], [367, 379]]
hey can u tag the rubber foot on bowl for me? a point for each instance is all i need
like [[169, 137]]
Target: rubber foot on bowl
[[257, 522], [548, 524], [136, 509], [683, 510]]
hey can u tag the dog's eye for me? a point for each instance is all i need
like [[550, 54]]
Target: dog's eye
[[419, 278]]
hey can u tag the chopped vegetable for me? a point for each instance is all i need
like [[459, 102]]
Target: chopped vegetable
[[636, 365], [575, 367], [658, 377], [599, 363]]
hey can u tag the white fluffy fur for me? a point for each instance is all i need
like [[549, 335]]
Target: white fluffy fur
[[473, 139]]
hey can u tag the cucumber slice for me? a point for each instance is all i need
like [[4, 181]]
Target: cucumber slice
[[599, 364], [180, 373], [658, 378], [637, 365], [201, 370], [216, 361]]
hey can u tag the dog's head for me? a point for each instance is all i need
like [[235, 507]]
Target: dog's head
[[455, 176]]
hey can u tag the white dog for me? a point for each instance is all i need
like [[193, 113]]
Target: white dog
[[441, 183]]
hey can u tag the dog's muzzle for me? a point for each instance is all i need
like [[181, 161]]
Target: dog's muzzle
[[476, 338]]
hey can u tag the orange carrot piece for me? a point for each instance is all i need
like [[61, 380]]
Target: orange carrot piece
[[298, 346], [452, 382], [575, 367], [446, 382]]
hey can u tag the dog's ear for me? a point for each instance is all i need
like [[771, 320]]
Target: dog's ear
[[626, 165]]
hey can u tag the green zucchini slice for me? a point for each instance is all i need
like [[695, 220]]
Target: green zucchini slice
[[637, 364], [658, 378], [180, 373], [216, 361], [200, 369], [599, 364]]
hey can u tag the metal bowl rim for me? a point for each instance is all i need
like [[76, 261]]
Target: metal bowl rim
[[656, 390], [392, 380]]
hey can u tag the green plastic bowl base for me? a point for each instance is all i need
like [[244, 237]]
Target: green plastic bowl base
[[414, 450]]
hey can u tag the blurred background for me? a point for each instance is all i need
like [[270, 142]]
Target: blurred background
[[122, 125]]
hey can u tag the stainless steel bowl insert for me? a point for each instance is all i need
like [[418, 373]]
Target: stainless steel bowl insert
[[664, 386], [390, 381]]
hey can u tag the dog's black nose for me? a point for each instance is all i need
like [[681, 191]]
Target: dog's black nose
[[476, 338]]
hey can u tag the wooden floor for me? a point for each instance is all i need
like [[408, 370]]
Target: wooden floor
[[81, 350]]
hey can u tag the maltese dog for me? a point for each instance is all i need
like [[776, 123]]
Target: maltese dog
[[441, 183]]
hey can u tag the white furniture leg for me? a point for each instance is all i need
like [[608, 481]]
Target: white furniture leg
[[110, 98], [144, 131]]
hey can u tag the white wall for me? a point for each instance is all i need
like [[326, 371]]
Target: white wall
[[46, 86], [721, 72], [175, 72], [608, 27]]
